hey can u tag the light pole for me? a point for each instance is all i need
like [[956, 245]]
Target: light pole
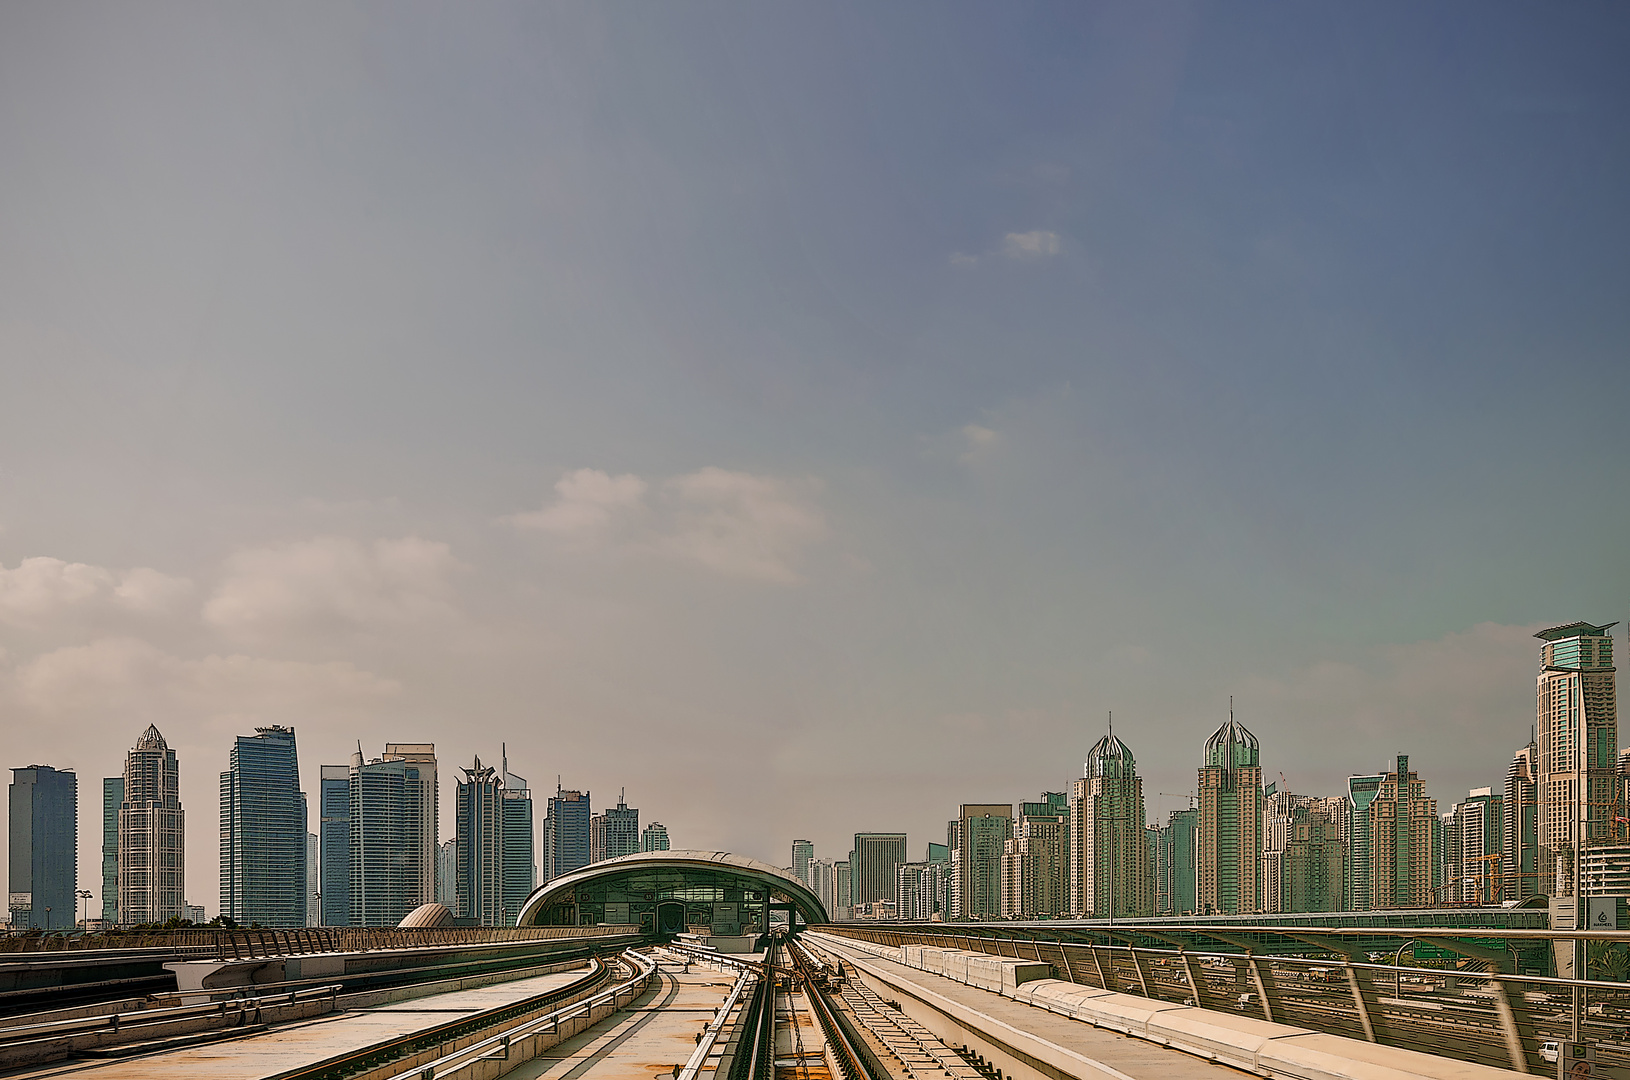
[[84, 907], [1397, 976]]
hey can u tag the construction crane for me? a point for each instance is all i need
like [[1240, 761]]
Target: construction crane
[[1174, 795]]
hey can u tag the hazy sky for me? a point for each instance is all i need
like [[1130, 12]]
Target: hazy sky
[[810, 417]]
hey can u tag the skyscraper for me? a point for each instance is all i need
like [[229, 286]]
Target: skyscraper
[[843, 888], [1477, 827], [566, 833], [1036, 861], [263, 831], [386, 820], [1279, 815], [1578, 726], [802, 852], [314, 881], [1231, 822], [334, 836], [655, 837], [1304, 867], [1109, 857], [480, 831], [43, 848], [872, 866], [1176, 866], [614, 832], [1404, 834], [1361, 792], [520, 858], [1519, 813], [821, 883], [152, 834], [981, 832], [447, 875], [113, 795], [426, 831]]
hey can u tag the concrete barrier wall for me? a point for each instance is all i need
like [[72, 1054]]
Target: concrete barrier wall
[[1267, 1049]]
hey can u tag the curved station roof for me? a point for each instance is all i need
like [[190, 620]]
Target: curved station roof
[[717, 888]]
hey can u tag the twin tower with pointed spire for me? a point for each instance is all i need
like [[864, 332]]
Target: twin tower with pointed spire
[[1111, 873]]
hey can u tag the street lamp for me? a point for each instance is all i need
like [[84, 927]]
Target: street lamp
[[1397, 976], [84, 907]]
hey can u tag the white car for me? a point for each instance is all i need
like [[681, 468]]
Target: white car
[[1550, 1051]]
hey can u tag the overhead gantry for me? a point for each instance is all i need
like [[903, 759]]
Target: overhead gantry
[[666, 893]]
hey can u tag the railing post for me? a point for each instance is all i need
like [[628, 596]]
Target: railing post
[[1064, 955], [1104, 982], [1515, 1024], [1197, 981], [1267, 991], [1364, 1002], [1142, 968]]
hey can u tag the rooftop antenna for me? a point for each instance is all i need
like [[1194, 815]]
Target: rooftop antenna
[[1112, 723]]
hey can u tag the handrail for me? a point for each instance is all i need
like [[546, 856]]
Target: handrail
[[711, 1034], [89, 1025], [497, 1046]]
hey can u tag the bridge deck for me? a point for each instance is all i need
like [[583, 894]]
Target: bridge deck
[[294, 1045], [1134, 1058]]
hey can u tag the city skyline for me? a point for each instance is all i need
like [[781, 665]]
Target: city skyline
[[688, 410], [1225, 737]]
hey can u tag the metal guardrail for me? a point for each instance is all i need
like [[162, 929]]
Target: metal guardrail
[[497, 1047], [1483, 1016], [721, 1022], [127, 1020], [195, 942]]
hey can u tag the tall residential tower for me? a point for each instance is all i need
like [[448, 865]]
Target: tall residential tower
[[1230, 878], [152, 834], [1578, 729]]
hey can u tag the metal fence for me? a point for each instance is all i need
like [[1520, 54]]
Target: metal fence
[[1462, 1012], [239, 944]]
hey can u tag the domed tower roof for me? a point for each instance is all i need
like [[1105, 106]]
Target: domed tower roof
[[1109, 757], [1232, 746], [151, 739]]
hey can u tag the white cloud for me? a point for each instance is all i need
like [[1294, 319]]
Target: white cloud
[[1030, 245], [736, 524], [740, 525], [587, 503], [42, 587], [335, 581], [979, 441], [138, 683], [962, 259]]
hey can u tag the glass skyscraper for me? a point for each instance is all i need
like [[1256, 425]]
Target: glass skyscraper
[[152, 834], [566, 833], [654, 837], [614, 832], [334, 838], [520, 858], [1361, 792], [387, 820], [44, 848], [113, 794], [480, 830], [263, 831]]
